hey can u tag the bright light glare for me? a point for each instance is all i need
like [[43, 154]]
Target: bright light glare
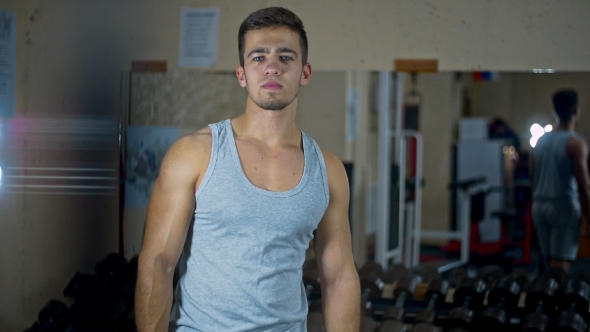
[[537, 130]]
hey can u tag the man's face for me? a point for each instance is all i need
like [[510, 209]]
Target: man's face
[[273, 71]]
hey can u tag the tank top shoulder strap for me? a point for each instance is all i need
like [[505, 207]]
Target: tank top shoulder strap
[[216, 128], [311, 146]]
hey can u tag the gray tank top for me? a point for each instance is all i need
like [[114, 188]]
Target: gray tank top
[[554, 169], [242, 262]]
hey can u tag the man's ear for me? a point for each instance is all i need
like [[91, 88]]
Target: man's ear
[[241, 76], [306, 74]]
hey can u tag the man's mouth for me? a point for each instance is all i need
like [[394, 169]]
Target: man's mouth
[[272, 86]]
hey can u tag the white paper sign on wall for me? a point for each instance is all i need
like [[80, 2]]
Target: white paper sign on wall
[[198, 37]]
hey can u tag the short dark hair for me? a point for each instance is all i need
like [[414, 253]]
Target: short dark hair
[[565, 104], [268, 18]]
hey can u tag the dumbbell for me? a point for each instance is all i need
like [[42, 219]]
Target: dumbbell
[[573, 303], [540, 300], [429, 273], [504, 295], [559, 275], [436, 292], [394, 315], [522, 277], [456, 275], [371, 285], [110, 265], [470, 294], [368, 324], [53, 317], [582, 275], [311, 277], [490, 275], [394, 273], [315, 322]]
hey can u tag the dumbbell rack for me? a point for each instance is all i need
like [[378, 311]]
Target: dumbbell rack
[[414, 306]]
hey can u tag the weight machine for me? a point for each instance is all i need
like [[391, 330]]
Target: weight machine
[[409, 232]]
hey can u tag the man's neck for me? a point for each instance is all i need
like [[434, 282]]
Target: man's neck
[[566, 126], [270, 127]]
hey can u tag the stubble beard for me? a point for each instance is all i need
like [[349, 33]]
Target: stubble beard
[[273, 102]]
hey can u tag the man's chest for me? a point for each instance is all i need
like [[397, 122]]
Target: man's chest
[[277, 169]]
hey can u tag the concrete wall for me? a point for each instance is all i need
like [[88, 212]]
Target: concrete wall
[[70, 55]]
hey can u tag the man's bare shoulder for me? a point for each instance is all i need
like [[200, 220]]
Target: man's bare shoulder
[[189, 155], [335, 169], [576, 146], [331, 159]]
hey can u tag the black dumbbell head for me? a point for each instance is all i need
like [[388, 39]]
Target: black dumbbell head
[[459, 317], [505, 288], [315, 322], [558, 274], [492, 319], [371, 271], [542, 290], [391, 325], [370, 289], [575, 292], [111, 265], [523, 278], [490, 275], [367, 324], [310, 264], [406, 284], [311, 278], [53, 310], [425, 327], [437, 286], [534, 322], [370, 277], [472, 288], [394, 273], [456, 276], [394, 313], [429, 273], [571, 321], [582, 275], [425, 316]]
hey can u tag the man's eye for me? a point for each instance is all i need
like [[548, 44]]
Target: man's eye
[[286, 58], [258, 58]]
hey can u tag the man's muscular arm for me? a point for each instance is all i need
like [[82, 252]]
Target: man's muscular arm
[[578, 150], [339, 278], [168, 219]]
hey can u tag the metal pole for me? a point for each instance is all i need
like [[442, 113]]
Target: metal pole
[[384, 159], [400, 159], [418, 200]]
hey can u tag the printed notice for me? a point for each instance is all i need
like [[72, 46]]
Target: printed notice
[[7, 63], [198, 37]]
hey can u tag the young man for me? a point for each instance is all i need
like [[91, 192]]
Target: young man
[[256, 188], [560, 184]]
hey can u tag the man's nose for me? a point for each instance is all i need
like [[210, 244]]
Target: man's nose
[[273, 68]]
